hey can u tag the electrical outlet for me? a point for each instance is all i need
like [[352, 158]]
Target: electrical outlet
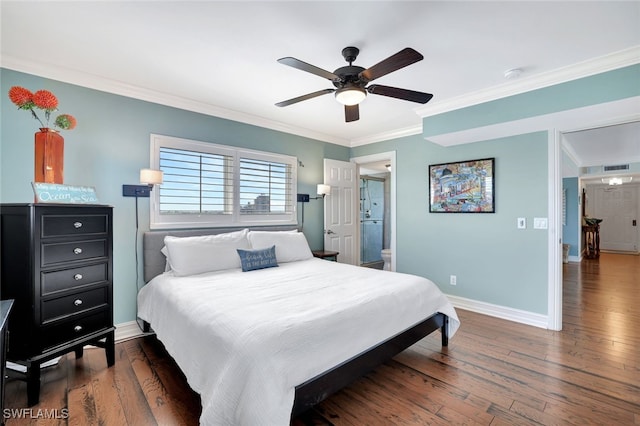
[[453, 280]]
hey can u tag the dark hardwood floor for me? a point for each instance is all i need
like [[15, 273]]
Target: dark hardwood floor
[[494, 372]]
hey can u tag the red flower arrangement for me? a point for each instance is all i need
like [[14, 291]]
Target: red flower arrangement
[[44, 100]]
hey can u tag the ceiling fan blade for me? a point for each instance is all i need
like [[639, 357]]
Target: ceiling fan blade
[[404, 94], [298, 64], [351, 113], [305, 97], [406, 56]]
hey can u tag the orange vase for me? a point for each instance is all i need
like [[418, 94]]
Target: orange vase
[[49, 156]]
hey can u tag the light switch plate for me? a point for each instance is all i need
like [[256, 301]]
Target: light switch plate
[[540, 223], [522, 223]]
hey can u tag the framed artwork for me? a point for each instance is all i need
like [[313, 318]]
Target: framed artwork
[[462, 187]]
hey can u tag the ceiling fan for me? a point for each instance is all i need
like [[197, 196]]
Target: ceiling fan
[[351, 81]]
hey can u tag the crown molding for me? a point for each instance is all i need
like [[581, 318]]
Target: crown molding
[[612, 61], [594, 66], [71, 76], [569, 152], [385, 136], [589, 117]]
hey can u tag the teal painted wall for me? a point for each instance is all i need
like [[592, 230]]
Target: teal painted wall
[[110, 146], [493, 260], [605, 87], [571, 230]]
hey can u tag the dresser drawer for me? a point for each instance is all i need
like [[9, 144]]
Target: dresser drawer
[[74, 277], [58, 225], [75, 250], [75, 327], [73, 303]]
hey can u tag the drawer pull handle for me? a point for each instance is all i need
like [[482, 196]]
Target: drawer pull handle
[[77, 250], [77, 277], [77, 302], [77, 225], [77, 328]]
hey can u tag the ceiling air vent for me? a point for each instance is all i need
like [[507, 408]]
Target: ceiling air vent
[[616, 168]]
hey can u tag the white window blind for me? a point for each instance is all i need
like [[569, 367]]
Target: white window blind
[[195, 182], [216, 185], [265, 187]]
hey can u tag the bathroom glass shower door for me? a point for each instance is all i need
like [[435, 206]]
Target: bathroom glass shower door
[[371, 219]]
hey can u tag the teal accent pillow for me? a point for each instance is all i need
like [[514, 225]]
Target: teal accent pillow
[[257, 259]]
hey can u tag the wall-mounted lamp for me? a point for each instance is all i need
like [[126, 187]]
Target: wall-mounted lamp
[[148, 177], [388, 167], [323, 190], [151, 177]]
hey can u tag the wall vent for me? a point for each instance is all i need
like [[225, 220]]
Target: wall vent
[[616, 167]]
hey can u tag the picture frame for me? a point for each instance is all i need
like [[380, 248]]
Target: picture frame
[[462, 187]]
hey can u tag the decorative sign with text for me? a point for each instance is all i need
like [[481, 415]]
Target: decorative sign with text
[[64, 194]]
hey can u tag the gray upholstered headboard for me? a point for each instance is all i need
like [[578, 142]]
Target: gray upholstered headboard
[[153, 241]]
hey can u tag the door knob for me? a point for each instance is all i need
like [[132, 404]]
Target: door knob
[[329, 231]]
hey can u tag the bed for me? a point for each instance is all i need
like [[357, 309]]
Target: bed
[[264, 344]]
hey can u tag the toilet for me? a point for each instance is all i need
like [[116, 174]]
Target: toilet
[[386, 256]]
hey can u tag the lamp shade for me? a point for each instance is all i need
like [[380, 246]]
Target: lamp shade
[[324, 189], [151, 177]]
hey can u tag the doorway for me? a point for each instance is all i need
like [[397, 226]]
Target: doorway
[[377, 168], [592, 150]]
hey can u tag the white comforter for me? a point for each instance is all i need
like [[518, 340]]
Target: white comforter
[[245, 339]]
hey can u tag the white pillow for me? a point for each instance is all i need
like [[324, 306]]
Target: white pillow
[[290, 246], [207, 253], [167, 265]]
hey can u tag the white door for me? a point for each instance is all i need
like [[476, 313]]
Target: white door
[[340, 213], [617, 206]]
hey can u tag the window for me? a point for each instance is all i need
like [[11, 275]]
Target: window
[[215, 185]]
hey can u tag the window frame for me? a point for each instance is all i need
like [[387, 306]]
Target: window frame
[[175, 221]]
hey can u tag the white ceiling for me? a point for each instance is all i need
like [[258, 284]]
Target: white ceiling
[[220, 57], [595, 145]]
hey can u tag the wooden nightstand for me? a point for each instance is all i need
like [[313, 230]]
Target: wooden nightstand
[[325, 254]]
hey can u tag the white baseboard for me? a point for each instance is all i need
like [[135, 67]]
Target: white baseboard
[[511, 314], [128, 330]]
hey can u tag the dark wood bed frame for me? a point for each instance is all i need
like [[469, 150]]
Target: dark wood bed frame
[[320, 387], [317, 389]]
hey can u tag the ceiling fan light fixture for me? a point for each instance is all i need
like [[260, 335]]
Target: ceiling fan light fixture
[[617, 180], [350, 95]]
